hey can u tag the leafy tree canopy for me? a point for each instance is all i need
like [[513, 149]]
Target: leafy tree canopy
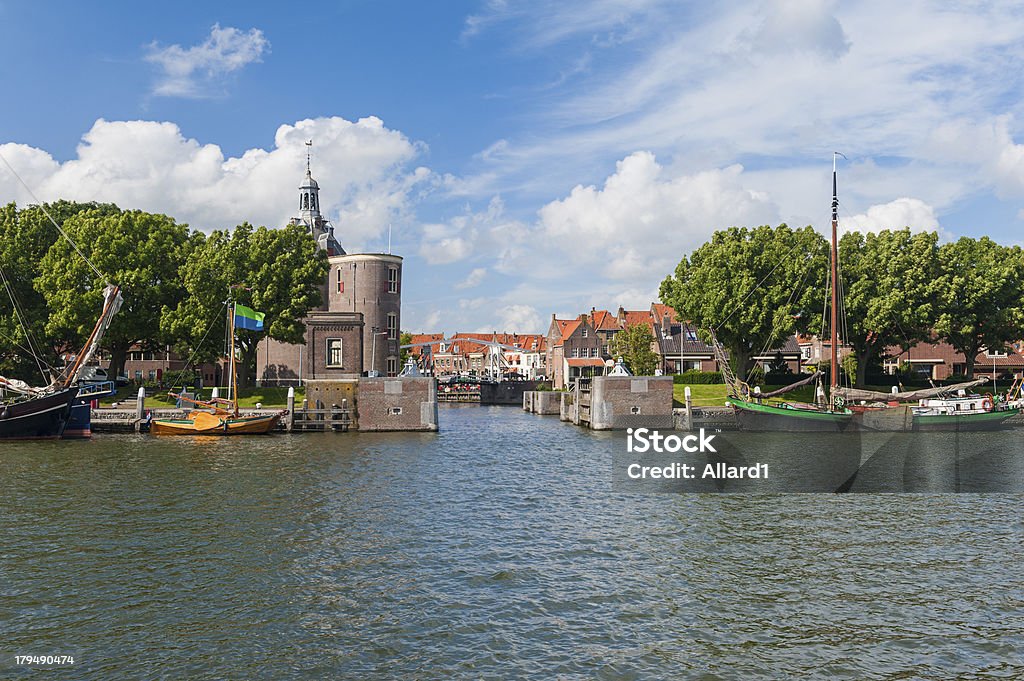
[[634, 345], [279, 272], [980, 293], [889, 285], [755, 287]]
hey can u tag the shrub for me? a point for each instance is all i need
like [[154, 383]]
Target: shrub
[[693, 377]]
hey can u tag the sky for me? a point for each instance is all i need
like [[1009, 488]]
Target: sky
[[529, 158]]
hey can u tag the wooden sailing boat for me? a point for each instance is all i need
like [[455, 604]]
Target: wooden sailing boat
[[753, 414], [212, 418]]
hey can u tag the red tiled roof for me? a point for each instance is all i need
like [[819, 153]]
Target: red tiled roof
[[585, 362], [633, 317], [660, 310], [603, 320]]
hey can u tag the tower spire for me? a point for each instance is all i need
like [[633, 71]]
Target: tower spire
[[309, 151]]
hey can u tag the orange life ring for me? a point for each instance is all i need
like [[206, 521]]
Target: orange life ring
[[986, 404]]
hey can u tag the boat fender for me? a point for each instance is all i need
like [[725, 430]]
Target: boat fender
[[986, 404]]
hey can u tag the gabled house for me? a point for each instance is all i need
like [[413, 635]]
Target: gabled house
[[574, 350]]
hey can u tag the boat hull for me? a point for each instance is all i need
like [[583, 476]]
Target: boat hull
[[772, 418], [993, 420], [41, 418], [204, 423], [79, 421]]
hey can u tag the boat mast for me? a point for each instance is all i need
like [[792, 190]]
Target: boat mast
[[234, 373], [835, 292]]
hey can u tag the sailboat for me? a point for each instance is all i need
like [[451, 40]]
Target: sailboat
[[756, 415], [219, 416], [950, 407], [43, 412]]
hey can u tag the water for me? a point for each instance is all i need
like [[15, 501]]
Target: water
[[499, 548]]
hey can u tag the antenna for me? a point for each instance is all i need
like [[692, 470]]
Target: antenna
[[389, 238]]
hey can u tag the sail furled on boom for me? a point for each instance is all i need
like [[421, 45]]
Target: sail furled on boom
[[908, 396], [792, 386]]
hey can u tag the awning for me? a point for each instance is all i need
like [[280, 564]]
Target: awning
[[585, 362]]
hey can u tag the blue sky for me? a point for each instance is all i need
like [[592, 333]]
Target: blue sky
[[533, 158]]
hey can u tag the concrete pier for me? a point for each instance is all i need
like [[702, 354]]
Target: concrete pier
[[390, 404], [620, 402]]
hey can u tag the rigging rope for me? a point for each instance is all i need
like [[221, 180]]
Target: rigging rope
[[21, 321], [195, 352]]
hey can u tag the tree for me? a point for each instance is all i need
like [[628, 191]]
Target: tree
[[279, 272], [140, 252], [26, 236], [755, 287], [889, 281], [633, 345], [979, 296], [404, 339]]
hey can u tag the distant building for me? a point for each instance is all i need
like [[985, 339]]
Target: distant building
[[938, 360]]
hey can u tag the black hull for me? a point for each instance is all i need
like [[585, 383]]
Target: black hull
[[39, 418]]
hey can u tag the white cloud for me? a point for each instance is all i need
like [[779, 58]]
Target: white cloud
[[488, 233], [363, 169], [473, 279], [520, 318], [194, 71], [641, 222], [904, 212]]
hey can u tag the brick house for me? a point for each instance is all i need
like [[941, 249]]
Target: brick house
[[939, 361], [574, 350]]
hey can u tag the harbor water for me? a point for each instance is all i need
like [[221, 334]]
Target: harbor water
[[501, 547]]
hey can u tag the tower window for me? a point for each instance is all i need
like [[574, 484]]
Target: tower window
[[392, 326], [341, 284], [334, 352], [392, 280]]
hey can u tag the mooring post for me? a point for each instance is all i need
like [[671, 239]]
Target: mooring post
[[345, 416], [290, 419], [689, 408], [140, 408]]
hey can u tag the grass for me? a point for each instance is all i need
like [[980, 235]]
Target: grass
[[247, 397]]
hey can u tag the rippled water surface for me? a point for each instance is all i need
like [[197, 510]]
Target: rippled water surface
[[498, 548]]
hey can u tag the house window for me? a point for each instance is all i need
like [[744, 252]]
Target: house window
[[341, 284], [996, 353], [392, 280], [593, 352], [575, 352], [392, 326], [334, 352], [584, 332], [691, 334], [392, 366]]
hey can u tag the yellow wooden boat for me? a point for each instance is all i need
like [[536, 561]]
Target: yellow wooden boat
[[218, 421], [206, 423]]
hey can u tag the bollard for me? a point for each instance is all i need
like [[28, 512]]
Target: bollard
[[140, 409], [688, 424], [290, 419], [345, 415]]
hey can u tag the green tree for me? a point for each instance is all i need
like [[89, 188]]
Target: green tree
[[979, 296], [404, 339], [755, 287], [633, 345], [279, 272], [889, 284], [140, 252], [26, 236]]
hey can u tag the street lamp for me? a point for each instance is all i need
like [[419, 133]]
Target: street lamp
[[373, 373]]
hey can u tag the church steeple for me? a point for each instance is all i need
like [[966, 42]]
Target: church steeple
[[309, 194], [309, 211]]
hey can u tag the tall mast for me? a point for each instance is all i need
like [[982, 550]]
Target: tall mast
[[234, 373], [835, 278]]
